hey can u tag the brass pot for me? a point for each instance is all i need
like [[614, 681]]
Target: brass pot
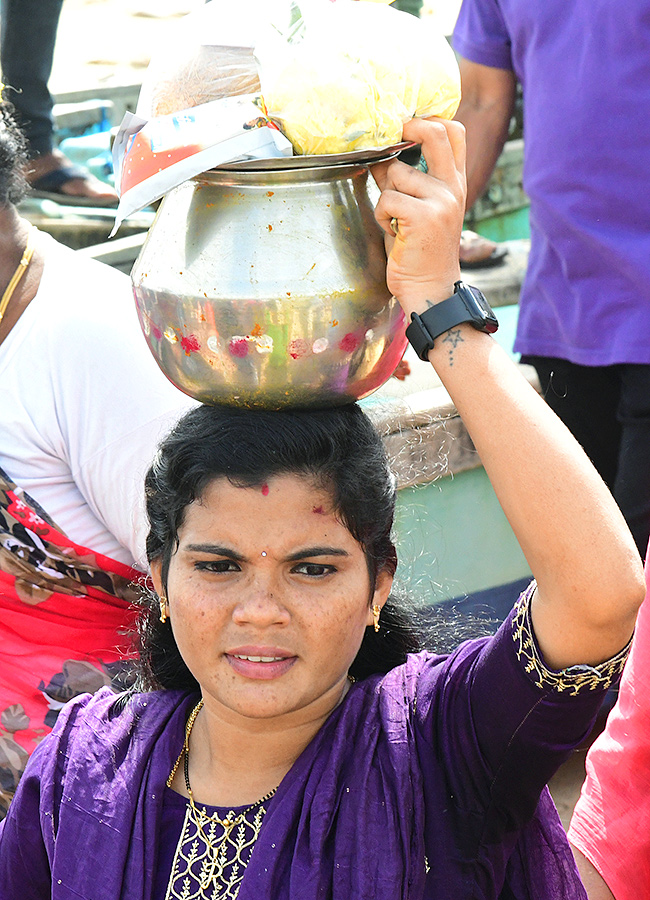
[[268, 288]]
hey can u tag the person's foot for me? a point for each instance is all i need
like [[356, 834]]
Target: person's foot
[[478, 252], [52, 175]]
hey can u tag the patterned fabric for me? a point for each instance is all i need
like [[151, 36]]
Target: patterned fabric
[[200, 873], [64, 613], [575, 679]]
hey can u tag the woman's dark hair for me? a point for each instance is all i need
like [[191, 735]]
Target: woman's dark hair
[[339, 448], [13, 158]]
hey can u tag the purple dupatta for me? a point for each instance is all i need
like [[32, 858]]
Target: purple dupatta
[[318, 859], [396, 774]]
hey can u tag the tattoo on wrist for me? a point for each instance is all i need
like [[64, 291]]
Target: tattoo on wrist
[[453, 338]]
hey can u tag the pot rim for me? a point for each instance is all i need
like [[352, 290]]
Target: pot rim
[[319, 160]]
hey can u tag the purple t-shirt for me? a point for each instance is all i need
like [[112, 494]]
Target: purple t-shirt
[[585, 70]]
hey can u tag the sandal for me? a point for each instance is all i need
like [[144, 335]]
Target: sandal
[[478, 252], [49, 187]]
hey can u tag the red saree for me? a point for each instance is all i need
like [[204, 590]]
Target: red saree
[[64, 616]]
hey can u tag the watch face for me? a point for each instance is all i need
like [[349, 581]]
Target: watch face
[[477, 305]]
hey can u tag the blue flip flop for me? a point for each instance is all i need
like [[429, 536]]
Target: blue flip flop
[[48, 187]]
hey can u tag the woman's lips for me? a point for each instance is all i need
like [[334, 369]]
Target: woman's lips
[[263, 663]]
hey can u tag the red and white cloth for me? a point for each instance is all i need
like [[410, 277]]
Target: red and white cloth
[[64, 616]]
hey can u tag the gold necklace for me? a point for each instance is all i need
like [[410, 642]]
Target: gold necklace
[[200, 816], [25, 260]]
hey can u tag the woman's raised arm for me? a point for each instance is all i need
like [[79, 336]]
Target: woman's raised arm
[[588, 571]]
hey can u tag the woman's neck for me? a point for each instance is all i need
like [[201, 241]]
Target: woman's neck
[[14, 231], [235, 760]]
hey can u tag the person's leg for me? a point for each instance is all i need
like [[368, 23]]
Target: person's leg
[[27, 40], [27, 44], [586, 398], [632, 486]]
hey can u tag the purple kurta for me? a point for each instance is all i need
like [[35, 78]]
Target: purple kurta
[[441, 761]]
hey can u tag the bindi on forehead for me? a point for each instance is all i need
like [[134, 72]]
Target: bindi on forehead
[[265, 490]]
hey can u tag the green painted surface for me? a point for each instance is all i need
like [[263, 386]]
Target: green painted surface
[[453, 539], [507, 226]]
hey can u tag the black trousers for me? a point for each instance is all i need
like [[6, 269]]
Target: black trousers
[[607, 408], [27, 40]]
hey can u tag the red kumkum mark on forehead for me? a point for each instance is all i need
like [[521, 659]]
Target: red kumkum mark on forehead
[[319, 510], [265, 490]]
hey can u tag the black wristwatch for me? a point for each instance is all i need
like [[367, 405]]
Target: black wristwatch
[[467, 304]]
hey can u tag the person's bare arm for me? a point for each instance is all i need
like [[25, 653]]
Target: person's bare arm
[[487, 105], [589, 575], [591, 878]]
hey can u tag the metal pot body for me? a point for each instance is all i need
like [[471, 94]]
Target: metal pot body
[[268, 288]]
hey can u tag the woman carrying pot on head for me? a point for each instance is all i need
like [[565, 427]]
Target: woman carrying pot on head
[[282, 747]]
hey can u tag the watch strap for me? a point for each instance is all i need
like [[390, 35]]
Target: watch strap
[[422, 331], [425, 328]]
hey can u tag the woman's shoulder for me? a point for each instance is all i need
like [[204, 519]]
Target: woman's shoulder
[[105, 741], [429, 665], [107, 706], [429, 678], [105, 719], [417, 682]]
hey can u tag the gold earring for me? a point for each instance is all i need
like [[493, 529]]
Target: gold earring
[[376, 612], [163, 609]]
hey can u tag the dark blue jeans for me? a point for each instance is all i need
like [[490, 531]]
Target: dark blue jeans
[[27, 39], [607, 408]]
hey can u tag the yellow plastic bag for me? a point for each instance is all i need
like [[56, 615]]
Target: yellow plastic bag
[[345, 75]]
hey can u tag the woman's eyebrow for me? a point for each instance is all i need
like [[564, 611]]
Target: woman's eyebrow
[[309, 552], [215, 550]]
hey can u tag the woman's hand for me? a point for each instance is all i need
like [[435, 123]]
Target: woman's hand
[[429, 209]]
